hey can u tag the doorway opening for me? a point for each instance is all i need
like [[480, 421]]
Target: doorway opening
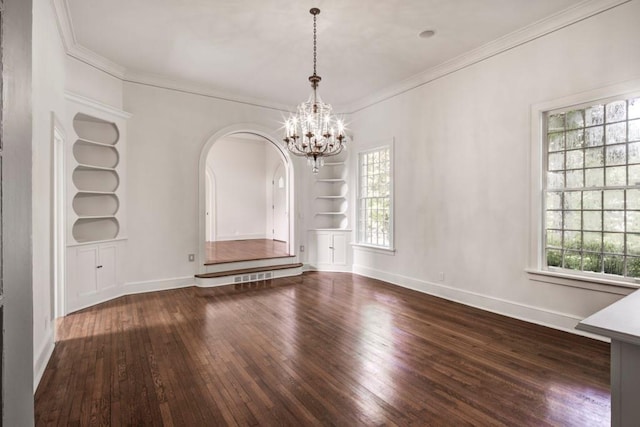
[[247, 200]]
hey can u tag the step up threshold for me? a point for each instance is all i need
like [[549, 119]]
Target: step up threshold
[[247, 271]]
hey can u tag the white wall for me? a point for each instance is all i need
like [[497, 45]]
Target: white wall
[[48, 97], [462, 161], [166, 136], [88, 81], [239, 167]]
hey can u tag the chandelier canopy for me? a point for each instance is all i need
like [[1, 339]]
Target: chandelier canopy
[[313, 131]]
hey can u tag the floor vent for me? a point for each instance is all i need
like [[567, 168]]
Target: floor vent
[[258, 277]]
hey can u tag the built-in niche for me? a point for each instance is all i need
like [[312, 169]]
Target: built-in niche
[[96, 179]]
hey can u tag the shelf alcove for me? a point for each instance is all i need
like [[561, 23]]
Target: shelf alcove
[[93, 129], [87, 178], [95, 204], [91, 153], [93, 229]]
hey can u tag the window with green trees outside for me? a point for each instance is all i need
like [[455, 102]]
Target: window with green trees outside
[[592, 189], [375, 198]]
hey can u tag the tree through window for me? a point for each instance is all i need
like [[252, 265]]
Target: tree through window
[[592, 191], [374, 197]]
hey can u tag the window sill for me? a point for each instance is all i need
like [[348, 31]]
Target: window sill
[[375, 249], [584, 282]]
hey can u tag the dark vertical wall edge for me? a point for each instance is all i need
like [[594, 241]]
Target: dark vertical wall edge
[[16, 215]]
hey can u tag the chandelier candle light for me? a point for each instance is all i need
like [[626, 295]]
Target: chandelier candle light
[[314, 132]]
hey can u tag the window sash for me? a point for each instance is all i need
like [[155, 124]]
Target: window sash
[[375, 198], [585, 237]]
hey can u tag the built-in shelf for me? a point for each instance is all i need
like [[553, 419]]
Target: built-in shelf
[[82, 166], [329, 191], [96, 178], [95, 192], [89, 141], [95, 159], [95, 228], [95, 129], [95, 204], [87, 179]]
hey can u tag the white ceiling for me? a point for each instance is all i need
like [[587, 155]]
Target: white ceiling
[[263, 49]]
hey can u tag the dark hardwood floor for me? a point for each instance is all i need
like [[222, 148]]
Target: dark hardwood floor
[[317, 349], [245, 250]]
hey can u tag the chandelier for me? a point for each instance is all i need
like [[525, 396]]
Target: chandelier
[[313, 131]]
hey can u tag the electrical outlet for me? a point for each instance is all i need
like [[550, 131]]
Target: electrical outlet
[[301, 248], [192, 257], [441, 276]]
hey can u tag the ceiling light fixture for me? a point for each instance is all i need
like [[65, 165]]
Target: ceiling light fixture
[[427, 34], [314, 132]]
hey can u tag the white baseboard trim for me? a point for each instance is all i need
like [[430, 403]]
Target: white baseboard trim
[[130, 288], [42, 358], [158, 285], [549, 318], [329, 268], [242, 237]]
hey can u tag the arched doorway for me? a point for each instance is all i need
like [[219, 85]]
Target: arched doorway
[[246, 191]]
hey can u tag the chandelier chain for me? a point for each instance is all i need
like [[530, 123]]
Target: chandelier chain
[[314, 44]]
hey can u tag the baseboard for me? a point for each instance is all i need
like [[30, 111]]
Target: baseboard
[[158, 285], [130, 288], [42, 357], [329, 268], [552, 319], [242, 237]]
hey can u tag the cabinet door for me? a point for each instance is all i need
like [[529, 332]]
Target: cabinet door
[[324, 248], [86, 276], [107, 267], [339, 249]]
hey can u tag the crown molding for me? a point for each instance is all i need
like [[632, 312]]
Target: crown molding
[[581, 11], [565, 18], [75, 49], [155, 80], [63, 21]]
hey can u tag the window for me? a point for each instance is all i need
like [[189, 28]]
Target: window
[[592, 188], [375, 201]]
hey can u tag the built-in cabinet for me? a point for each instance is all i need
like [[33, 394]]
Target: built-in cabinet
[[93, 269], [329, 237], [328, 250], [96, 183]]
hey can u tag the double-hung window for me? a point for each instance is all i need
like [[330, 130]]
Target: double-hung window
[[592, 188], [375, 198]]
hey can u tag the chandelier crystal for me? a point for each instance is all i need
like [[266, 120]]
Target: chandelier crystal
[[313, 131]]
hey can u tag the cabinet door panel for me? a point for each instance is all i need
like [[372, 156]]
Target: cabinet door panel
[[86, 277], [339, 249], [107, 273], [324, 248]]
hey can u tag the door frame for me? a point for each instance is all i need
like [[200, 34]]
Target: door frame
[[58, 220]]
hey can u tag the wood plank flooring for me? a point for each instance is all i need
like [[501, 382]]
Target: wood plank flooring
[[245, 250], [317, 349]]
